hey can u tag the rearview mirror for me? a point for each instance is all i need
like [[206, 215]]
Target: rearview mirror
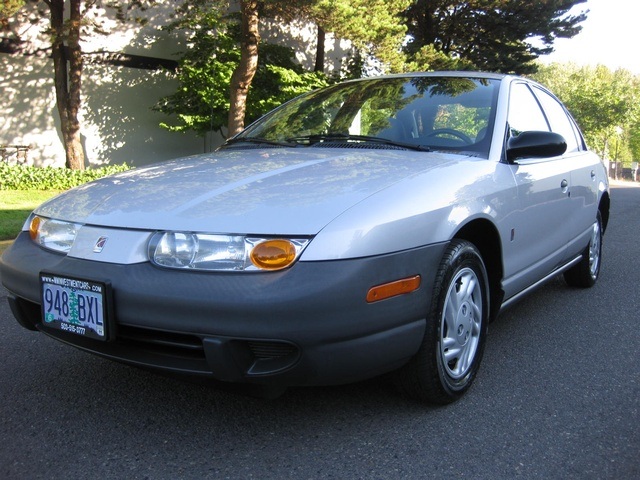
[[535, 145]]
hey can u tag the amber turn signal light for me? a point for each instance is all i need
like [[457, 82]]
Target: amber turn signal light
[[33, 227], [393, 289], [273, 254]]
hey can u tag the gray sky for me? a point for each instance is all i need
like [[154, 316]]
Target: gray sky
[[610, 36]]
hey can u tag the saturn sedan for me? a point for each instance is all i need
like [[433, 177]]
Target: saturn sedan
[[375, 226]]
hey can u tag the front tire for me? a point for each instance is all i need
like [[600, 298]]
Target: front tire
[[449, 358]]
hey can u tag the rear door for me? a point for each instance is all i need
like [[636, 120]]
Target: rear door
[[583, 167]]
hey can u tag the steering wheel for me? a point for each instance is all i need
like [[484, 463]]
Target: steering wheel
[[450, 131]]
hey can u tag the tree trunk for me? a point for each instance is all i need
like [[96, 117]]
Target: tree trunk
[[67, 63], [319, 66], [244, 73]]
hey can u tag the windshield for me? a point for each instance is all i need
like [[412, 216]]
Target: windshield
[[426, 113]]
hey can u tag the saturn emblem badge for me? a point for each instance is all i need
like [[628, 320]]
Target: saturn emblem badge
[[100, 244]]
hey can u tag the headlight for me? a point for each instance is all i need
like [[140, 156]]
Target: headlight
[[200, 251], [53, 234]]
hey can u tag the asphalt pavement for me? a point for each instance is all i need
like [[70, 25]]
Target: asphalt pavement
[[557, 397]]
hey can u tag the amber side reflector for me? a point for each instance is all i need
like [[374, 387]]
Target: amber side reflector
[[393, 289]]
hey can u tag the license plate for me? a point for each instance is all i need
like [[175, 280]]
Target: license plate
[[74, 305]]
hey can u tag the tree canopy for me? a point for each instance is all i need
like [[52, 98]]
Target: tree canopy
[[374, 27], [228, 75], [491, 35], [605, 103], [9, 8], [202, 102], [402, 35]]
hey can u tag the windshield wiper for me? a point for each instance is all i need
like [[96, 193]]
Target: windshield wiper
[[264, 141], [343, 137]]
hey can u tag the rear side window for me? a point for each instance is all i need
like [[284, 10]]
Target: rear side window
[[558, 118]]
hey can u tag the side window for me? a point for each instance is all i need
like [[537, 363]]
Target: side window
[[524, 111], [558, 118], [578, 134]]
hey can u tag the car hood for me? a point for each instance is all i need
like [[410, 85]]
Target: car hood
[[291, 191]]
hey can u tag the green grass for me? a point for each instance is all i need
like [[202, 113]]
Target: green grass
[[15, 207]]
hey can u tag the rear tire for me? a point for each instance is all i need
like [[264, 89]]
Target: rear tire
[[585, 274], [448, 360]]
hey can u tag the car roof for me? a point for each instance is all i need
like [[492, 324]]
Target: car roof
[[446, 73]]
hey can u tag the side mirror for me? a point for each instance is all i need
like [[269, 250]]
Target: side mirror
[[535, 145]]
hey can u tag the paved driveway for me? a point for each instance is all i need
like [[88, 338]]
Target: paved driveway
[[558, 396]]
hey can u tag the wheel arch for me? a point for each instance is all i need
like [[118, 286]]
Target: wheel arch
[[484, 235], [605, 204]]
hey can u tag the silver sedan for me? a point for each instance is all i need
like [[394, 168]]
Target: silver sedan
[[374, 226]]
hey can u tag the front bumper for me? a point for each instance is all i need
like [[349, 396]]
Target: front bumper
[[307, 325]]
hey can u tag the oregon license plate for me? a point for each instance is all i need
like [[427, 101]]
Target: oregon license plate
[[74, 305]]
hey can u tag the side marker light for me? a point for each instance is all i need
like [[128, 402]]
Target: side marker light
[[393, 289]]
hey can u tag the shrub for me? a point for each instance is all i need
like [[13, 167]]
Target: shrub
[[23, 177]]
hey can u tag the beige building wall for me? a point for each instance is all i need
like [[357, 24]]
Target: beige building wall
[[118, 124]]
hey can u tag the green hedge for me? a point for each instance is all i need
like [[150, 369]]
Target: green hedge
[[22, 177]]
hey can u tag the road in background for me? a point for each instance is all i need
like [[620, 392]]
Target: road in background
[[558, 396]]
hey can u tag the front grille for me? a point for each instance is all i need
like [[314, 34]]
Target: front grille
[[267, 350], [167, 343], [174, 351]]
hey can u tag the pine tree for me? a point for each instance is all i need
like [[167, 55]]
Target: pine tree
[[491, 34]]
